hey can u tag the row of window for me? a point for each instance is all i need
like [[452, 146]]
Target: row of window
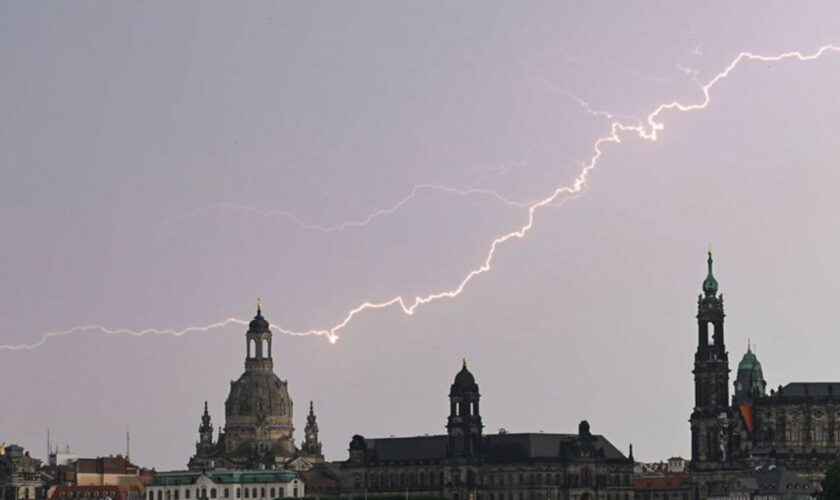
[[87, 494], [389, 480], [202, 493], [540, 495], [795, 433]]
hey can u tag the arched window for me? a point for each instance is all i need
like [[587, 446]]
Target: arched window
[[266, 352], [586, 477], [795, 429]]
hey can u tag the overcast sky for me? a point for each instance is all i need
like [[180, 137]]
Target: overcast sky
[[164, 164]]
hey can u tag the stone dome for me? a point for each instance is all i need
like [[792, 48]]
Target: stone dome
[[258, 324], [259, 395], [464, 381]]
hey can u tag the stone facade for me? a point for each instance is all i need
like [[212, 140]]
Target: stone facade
[[466, 464], [225, 485], [20, 475], [795, 428], [259, 429]]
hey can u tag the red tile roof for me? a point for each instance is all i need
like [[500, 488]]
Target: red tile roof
[[666, 482]]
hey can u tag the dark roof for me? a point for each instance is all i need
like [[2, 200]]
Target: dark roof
[[464, 382], [506, 447], [664, 482], [405, 449], [258, 324], [105, 465], [321, 477], [810, 389], [513, 447]]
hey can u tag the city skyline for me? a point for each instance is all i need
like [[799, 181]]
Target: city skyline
[[171, 177]]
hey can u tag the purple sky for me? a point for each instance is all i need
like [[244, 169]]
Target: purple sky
[[130, 134]]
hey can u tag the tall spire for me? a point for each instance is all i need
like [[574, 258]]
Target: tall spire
[[311, 445], [710, 284], [205, 430]]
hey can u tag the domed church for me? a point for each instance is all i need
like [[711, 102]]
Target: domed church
[[259, 428]]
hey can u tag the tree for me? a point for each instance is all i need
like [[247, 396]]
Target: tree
[[831, 483]]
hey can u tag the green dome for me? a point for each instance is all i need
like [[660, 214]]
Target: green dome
[[710, 284], [750, 373], [749, 362]]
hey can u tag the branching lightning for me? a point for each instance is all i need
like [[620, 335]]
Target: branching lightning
[[648, 129], [364, 221]]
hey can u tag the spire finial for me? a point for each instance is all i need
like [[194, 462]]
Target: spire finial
[[748, 346], [259, 306], [205, 408], [710, 284], [464, 361], [311, 407]]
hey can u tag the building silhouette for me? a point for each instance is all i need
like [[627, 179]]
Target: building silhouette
[[259, 430], [465, 463]]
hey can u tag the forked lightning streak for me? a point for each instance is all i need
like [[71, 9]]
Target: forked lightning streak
[[649, 130]]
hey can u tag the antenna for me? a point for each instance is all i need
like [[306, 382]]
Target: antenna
[[127, 445], [49, 449]]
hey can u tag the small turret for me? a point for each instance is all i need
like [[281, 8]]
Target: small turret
[[464, 425], [311, 446], [749, 382], [205, 431]]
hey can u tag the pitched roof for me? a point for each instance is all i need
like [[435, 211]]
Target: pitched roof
[[809, 389], [664, 482], [506, 447], [408, 449]]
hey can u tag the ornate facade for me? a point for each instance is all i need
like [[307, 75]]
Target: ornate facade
[[796, 426], [465, 463], [259, 429]]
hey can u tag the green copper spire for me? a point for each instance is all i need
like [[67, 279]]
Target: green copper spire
[[710, 284]]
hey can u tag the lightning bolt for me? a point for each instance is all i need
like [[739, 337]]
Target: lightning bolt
[[415, 191], [648, 130], [696, 51]]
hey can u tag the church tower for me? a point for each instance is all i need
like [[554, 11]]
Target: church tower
[[709, 420], [464, 424], [258, 410], [311, 446], [205, 430]]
